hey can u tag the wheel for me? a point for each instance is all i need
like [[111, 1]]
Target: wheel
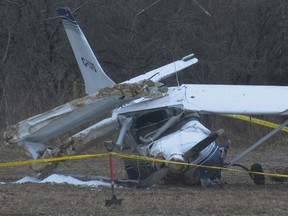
[[280, 170], [257, 178]]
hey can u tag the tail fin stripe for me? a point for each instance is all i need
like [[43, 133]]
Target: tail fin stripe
[[94, 76]]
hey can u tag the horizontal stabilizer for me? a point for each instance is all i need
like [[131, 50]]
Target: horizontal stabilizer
[[166, 70]]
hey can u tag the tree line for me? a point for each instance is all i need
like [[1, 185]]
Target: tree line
[[236, 42]]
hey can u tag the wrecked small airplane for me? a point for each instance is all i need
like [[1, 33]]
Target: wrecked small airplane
[[153, 120]]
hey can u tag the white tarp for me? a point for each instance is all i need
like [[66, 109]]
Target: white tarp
[[61, 179]]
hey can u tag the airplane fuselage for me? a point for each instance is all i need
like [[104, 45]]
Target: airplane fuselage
[[173, 141]]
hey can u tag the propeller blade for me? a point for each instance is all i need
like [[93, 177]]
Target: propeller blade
[[203, 144], [154, 178]]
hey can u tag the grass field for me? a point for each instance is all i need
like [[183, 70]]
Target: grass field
[[235, 194]]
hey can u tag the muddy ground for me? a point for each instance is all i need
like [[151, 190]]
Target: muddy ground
[[235, 194]]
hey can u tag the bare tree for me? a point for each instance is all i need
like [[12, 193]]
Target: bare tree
[[239, 42]]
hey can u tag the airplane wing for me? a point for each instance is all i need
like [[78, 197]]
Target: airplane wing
[[36, 130], [166, 70], [237, 99], [221, 99]]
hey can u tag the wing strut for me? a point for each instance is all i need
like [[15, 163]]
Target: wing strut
[[263, 139]]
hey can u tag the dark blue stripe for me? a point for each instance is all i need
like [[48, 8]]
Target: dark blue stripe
[[208, 157], [66, 14]]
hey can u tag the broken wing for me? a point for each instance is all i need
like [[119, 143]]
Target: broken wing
[[34, 131]]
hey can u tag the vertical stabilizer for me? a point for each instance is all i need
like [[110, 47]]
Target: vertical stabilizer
[[94, 76]]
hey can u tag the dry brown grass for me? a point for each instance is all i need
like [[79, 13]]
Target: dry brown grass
[[228, 199], [236, 194]]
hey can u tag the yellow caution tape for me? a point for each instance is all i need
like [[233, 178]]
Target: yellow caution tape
[[131, 156], [257, 121], [55, 159]]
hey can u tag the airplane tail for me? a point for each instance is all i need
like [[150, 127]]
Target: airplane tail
[[94, 76]]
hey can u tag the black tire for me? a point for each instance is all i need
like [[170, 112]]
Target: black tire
[[280, 170], [257, 178]]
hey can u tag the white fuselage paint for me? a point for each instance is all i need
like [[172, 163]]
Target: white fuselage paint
[[174, 145]]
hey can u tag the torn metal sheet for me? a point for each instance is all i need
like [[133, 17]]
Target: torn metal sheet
[[72, 144], [46, 167], [93, 133]]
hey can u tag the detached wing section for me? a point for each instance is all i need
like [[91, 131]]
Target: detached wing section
[[166, 70], [237, 99], [34, 131]]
